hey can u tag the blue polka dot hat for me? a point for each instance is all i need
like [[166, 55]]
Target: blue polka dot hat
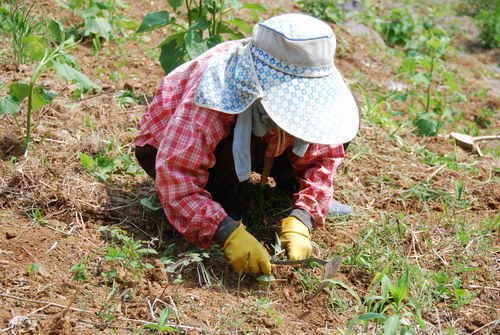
[[288, 65]]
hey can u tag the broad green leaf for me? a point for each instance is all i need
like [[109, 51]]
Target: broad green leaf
[[153, 21], [241, 24], [175, 4], [145, 251], [419, 78], [105, 164], [75, 76], [200, 24], [409, 64], [101, 176], [400, 97], [126, 23], [426, 63], [41, 97], [19, 90], [435, 42], [266, 280], [172, 56], [236, 36], [254, 6], [57, 32], [90, 12], [98, 26], [178, 38], [426, 125], [391, 325], [225, 29], [214, 40], [164, 315], [34, 47], [195, 44], [152, 202], [87, 162], [366, 316], [9, 105]]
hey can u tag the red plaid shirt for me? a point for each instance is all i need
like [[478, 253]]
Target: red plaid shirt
[[186, 136]]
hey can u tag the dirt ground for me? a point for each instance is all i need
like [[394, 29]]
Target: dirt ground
[[376, 174]]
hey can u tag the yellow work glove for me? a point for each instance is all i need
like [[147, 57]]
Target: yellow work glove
[[246, 253], [295, 238]]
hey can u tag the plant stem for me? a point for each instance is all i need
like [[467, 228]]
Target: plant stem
[[188, 11], [428, 103], [17, 125], [28, 116]]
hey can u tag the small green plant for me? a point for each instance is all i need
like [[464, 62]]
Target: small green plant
[[266, 281], [489, 23], [152, 202], [450, 288], [270, 312], [207, 22], [102, 19], [424, 68], [36, 215], [127, 98], [398, 27], [18, 22], [161, 324], [486, 14], [34, 267], [391, 305], [324, 9], [125, 252], [57, 59], [103, 166]]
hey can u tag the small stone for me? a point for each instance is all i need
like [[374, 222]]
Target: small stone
[[10, 235]]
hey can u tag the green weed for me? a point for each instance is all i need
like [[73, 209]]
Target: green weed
[[161, 324], [388, 304], [36, 216], [19, 22], [126, 253], [103, 166], [489, 23], [398, 27], [102, 19], [324, 9], [127, 98]]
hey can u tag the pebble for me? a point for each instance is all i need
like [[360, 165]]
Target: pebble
[[10, 234]]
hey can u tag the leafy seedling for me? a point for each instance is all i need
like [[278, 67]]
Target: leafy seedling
[[161, 325], [57, 59]]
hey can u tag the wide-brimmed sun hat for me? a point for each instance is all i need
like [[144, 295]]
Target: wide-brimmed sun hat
[[288, 65]]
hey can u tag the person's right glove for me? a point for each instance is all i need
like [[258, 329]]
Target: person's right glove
[[246, 253], [295, 237]]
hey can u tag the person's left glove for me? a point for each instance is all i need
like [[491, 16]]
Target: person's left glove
[[295, 237], [246, 253]]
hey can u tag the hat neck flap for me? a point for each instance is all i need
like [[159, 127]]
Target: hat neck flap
[[230, 84]]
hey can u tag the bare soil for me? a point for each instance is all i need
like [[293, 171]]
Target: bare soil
[[376, 175]]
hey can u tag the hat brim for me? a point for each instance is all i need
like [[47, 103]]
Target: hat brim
[[318, 110]]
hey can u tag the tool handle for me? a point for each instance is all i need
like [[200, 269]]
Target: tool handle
[[300, 261]]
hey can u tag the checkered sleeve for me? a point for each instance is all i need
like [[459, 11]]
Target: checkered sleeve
[[318, 167], [184, 157]]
